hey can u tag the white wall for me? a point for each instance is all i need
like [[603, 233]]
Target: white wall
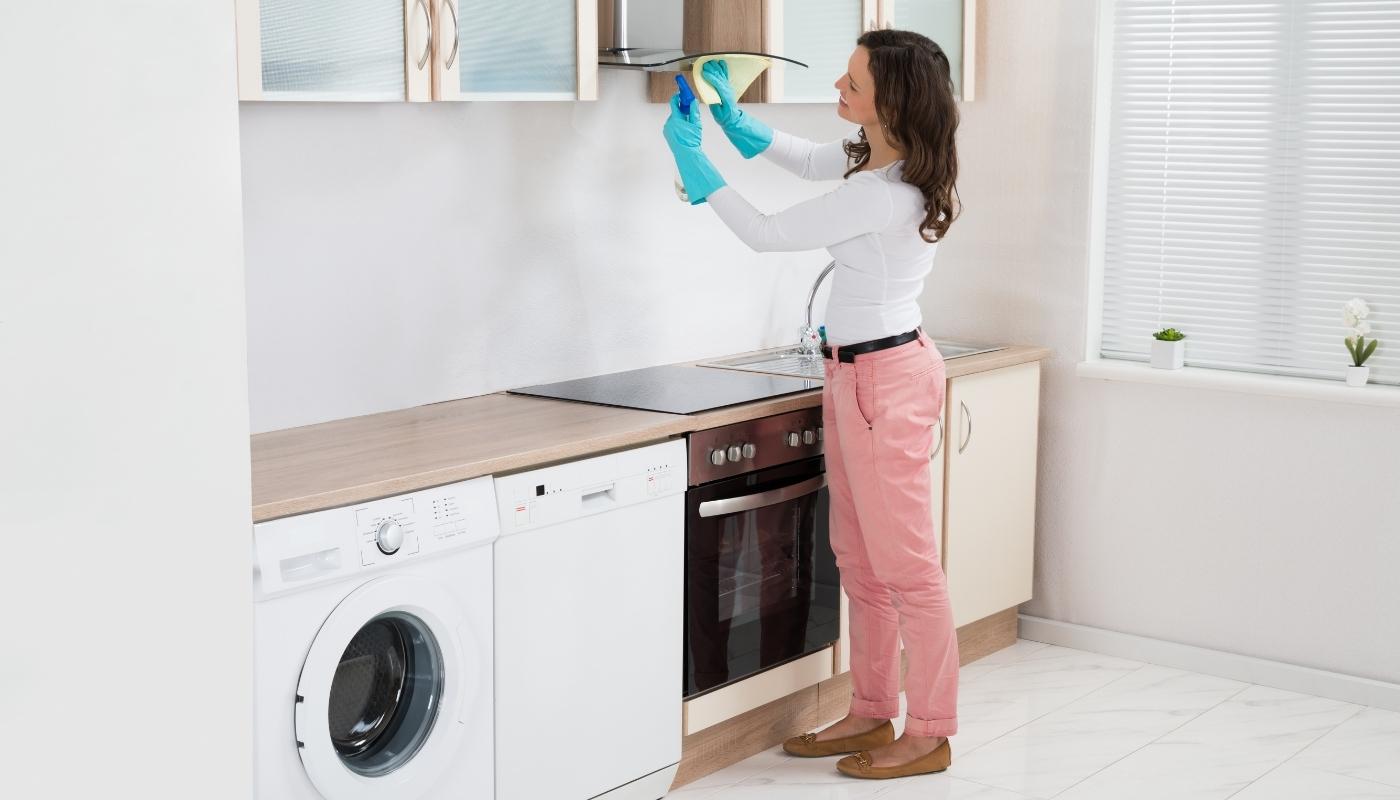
[[126, 666], [1259, 525], [404, 254]]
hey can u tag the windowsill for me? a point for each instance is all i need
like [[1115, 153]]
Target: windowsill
[[1249, 383]]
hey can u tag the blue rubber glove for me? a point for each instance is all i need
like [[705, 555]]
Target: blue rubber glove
[[683, 135], [748, 135]]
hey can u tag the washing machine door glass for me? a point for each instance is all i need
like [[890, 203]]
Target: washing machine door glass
[[385, 694], [380, 697]]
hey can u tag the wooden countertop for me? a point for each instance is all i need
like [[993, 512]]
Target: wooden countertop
[[347, 461]]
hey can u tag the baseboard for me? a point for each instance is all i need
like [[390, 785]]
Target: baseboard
[[1280, 675]]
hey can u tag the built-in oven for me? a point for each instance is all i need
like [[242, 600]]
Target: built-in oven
[[761, 586]]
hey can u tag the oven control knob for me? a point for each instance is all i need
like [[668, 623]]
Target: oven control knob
[[750, 451], [809, 436], [736, 453], [717, 457], [821, 434], [389, 537], [794, 440]]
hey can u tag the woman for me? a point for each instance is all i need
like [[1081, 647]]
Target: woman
[[884, 377]]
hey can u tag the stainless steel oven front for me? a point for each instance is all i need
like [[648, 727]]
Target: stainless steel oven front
[[761, 586]]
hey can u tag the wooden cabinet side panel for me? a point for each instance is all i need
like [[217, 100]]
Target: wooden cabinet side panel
[[248, 36], [586, 49]]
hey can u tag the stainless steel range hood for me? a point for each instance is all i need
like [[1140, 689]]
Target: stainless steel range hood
[[654, 59]]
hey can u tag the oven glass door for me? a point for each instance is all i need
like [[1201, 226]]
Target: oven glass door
[[761, 581]]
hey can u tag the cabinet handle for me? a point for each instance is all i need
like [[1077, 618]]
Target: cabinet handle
[[968, 415], [452, 57], [938, 447], [428, 42]]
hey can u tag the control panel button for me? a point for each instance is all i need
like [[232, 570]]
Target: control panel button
[[794, 440], [736, 454], [750, 451], [717, 457], [389, 537], [821, 434], [809, 436]]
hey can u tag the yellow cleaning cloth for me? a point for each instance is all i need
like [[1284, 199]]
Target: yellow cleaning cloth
[[743, 70]]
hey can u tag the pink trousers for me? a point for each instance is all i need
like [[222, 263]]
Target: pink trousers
[[879, 413]]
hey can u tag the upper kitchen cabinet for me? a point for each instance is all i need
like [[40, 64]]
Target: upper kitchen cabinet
[[417, 50], [347, 50], [520, 50], [950, 23], [822, 33]]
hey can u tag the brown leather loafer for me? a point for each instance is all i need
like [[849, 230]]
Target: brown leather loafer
[[860, 765], [807, 746]]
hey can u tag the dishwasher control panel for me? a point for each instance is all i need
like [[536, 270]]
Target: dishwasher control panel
[[563, 492]]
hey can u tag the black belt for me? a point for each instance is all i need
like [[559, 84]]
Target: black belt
[[847, 352]]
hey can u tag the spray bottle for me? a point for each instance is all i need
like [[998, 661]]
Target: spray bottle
[[687, 97]]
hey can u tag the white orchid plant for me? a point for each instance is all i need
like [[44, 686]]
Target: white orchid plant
[[1354, 314]]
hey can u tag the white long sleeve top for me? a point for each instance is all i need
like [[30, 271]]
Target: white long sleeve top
[[869, 225]]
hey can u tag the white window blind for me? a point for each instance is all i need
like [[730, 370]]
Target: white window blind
[[1253, 181]]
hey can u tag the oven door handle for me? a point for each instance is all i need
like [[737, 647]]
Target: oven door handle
[[772, 497]]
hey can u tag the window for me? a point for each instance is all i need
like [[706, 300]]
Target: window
[[1253, 181]]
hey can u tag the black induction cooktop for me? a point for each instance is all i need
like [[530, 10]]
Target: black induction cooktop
[[672, 390]]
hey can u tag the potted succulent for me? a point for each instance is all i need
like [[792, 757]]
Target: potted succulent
[[1354, 314], [1168, 349]]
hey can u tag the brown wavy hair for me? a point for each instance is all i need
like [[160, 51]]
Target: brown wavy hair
[[914, 102]]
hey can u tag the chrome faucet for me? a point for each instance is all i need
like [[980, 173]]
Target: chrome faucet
[[811, 339]]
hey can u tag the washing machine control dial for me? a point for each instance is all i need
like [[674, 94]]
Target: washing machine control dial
[[389, 537]]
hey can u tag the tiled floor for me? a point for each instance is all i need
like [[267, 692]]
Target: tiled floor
[[1040, 721]]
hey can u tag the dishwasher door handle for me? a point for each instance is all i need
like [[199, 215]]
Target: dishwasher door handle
[[772, 497]]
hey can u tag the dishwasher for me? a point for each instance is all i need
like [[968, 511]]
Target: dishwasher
[[589, 626]]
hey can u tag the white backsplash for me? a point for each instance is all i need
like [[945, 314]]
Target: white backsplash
[[406, 254]]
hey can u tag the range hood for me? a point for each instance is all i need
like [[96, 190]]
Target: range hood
[[654, 59]]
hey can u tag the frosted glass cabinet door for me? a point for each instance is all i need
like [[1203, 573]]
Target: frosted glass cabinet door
[[820, 34], [335, 49], [518, 50], [950, 23]]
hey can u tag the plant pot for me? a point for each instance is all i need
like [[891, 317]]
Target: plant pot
[[1357, 376], [1168, 355]]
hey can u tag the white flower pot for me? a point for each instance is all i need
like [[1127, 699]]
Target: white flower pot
[[1357, 376], [1168, 355]]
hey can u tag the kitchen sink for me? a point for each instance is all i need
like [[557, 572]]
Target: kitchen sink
[[793, 362]]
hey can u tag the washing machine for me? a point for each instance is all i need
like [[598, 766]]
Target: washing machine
[[373, 649]]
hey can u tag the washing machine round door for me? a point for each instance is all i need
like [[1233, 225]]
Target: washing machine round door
[[377, 704]]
